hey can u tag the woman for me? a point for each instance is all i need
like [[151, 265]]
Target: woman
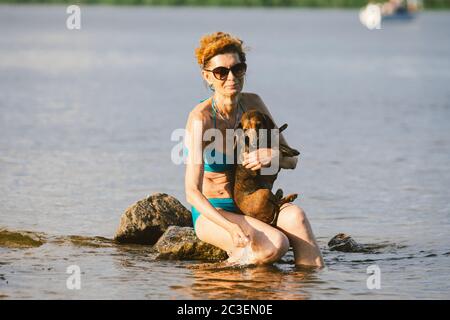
[[209, 184]]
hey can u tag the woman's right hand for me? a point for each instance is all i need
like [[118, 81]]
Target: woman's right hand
[[240, 239]]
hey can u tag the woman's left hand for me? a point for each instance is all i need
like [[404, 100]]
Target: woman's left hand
[[259, 158]]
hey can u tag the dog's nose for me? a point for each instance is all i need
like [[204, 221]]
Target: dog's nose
[[251, 138]]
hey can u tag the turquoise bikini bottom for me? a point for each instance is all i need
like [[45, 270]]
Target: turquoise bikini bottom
[[224, 203]]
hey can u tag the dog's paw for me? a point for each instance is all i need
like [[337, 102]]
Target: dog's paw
[[291, 197], [288, 151]]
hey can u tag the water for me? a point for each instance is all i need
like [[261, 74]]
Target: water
[[85, 124], [247, 255]]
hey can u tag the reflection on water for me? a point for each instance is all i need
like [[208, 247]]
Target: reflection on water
[[86, 119], [257, 282]]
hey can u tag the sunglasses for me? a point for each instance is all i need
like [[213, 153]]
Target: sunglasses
[[221, 73]]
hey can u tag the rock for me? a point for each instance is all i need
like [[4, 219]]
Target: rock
[[181, 243], [21, 239], [145, 221], [345, 243]]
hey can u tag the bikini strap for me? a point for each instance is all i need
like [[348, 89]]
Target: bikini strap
[[237, 122], [240, 104], [214, 112]]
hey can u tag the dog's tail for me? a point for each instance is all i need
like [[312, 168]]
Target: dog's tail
[[279, 194]]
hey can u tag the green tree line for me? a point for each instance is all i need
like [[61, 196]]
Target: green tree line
[[435, 4]]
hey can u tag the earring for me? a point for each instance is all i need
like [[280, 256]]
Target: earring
[[211, 87]]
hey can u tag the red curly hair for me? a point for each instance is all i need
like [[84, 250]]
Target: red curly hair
[[218, 43]]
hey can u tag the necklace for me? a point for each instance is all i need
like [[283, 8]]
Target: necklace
[[221, 115]]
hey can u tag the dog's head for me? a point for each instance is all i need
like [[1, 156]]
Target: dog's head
[[251, 123], [254, 119]]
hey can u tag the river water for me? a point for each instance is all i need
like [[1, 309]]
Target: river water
[[86, 118]]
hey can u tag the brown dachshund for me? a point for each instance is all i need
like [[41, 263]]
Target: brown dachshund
[[253, 191]]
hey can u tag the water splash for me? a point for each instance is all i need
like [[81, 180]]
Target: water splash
[[247, 255]]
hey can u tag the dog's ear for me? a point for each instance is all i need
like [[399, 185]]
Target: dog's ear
[[283, 127], [269, 122]]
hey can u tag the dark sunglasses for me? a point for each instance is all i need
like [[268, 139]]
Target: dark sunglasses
[[221, 73]]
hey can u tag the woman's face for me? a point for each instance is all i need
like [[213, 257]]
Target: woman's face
[[231, 86]]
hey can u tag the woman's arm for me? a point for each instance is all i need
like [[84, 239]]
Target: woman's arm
[[285, 162], [195, 128], [194, 177]]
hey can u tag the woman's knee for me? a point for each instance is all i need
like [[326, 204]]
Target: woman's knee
[[293, 216], [275, 249]]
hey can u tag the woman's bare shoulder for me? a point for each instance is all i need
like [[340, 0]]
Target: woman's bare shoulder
[[253, 101], [201, 112]]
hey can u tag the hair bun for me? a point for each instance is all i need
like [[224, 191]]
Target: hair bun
[[217, 43]]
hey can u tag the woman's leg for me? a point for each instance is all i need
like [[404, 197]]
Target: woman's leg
[[294, 223], [268, 244]]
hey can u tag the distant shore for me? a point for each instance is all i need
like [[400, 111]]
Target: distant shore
[[428, 4]]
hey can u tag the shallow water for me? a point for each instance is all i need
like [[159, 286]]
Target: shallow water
[[85, 125]]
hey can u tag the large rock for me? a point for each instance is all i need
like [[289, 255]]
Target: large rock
[[145, 221], [181, 243]]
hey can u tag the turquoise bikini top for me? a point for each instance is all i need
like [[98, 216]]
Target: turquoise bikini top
[[209, 159]]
